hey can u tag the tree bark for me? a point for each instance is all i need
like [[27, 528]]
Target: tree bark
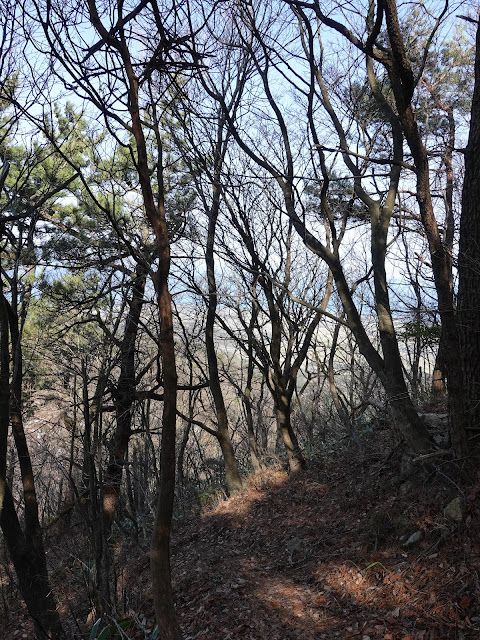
[[283, 412], [232, 475], [26, 546], [439, 387], [412, 427], [124, 401], [4, 395], [28, 557], [409, 422], [155, 212], [469, 262], [402, 80]]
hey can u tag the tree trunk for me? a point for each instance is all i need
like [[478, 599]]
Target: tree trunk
[[26, 547], [439, 387], [252, 441], [283, 410], [337, 402], [4, 395], [160, 547], [469, 262], [102, 591], [234, 481], [28, 557], [124, 400], [410, 424], [402, 79]]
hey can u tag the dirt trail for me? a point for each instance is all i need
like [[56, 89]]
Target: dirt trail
[[318, 556]]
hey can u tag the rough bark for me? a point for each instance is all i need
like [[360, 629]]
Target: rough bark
[[402, 80], [25, 546], [155, 212], [469, 262], [283, 412]]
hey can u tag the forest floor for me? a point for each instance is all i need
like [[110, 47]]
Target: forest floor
[[322, 554]]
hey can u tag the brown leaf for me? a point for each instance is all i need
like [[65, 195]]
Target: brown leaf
[[453, 615]]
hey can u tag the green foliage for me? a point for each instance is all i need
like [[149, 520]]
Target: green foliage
[[211, 496], [429, 334], [72, 287], [341, 198], [115, 630], [9, 88], [95, 634]]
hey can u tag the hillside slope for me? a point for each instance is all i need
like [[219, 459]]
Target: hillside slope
[[327, 554]]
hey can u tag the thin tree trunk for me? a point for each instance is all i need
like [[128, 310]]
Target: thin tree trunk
[[409, 422], [233, 479], [124, 401], [102, 591], [252, 441], [4, 395], [247, 394], [262, 428], [160, 548], [28, 557], [439, 387], [155, 212], [337, 403]]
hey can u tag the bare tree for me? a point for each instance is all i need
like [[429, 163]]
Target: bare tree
[[270, 63], [404, 80]]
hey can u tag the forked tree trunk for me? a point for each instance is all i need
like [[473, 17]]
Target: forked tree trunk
[[25, 546], [409, 422], [283, 412]]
